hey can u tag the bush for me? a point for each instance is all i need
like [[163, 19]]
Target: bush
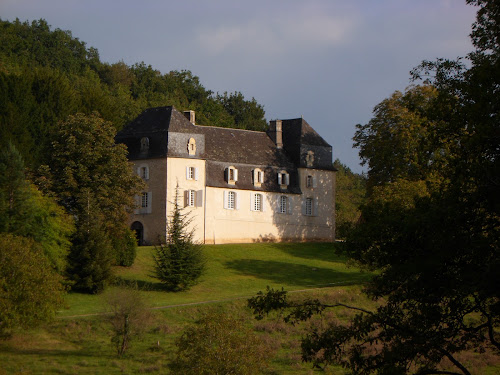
[[129, 316], [125, 248], [219, 343], [30, 289]]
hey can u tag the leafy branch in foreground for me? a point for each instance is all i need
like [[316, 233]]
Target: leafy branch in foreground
[[396, 338]]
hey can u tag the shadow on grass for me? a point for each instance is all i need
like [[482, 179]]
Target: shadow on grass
[[296, 274], [320, 251], [139, 284]]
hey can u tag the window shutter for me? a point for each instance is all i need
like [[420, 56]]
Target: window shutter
[[304, 206], [225, 199], [235, 175], [137, 209], [150, 203], [147, 173], [186, 198], [187, 173], [289, 205], [287, 179], [196, 174], [316, 207], [236, 201], [199, 198], [139, 171], [315, 182], [261, 177], [279, 179], [252, 201]]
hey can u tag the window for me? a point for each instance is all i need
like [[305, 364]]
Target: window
[[231, 200], [310, 159], [231, 175], [257, 202], [144, 144], [193, 198], [143, 203], [309, 207], [191, 146], [283, 205], [258, 177], [192, 173], [144, 200], [143, 171], [283, 179], [190, 198], [311, 182]]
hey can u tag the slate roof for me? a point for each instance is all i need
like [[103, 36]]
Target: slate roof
[[224, 147], [296, 131]]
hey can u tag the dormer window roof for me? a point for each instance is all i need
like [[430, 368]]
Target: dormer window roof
[[144, 144]]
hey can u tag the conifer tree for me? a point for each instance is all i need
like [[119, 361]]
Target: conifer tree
[[179, 262]]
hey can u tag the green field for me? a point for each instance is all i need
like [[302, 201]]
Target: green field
[[79, 340], [235, 271]]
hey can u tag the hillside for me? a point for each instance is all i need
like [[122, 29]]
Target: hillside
[[46, 75]]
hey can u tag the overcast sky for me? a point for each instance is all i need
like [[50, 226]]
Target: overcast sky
[[330, 61]]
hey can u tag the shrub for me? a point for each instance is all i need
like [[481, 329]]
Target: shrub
[[219, 343]]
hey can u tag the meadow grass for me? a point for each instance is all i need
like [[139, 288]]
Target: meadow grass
[[234, 271], [79, 340]]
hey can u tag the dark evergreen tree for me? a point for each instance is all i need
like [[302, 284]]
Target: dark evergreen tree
[[179, 262]]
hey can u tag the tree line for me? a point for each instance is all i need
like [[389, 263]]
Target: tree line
[[47, 75]]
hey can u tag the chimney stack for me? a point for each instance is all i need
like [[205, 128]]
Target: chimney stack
[[276, 132], [190, 116]]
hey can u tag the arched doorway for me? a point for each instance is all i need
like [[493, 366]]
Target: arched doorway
[[138, 228]]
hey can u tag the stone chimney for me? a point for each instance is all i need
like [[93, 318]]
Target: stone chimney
[[276, 132], [190, 116]]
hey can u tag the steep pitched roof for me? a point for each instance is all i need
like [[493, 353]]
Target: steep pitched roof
[[297, 131]]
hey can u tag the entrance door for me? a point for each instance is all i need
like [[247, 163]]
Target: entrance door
[[138, 228]]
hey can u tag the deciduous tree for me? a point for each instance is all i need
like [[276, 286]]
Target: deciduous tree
[[30, 289], [95, 183]]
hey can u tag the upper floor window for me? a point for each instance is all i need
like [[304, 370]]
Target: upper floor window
[[144, 200], [231, 200], [310, 159], [231, 175], [308, 210], [257, 202], [144, 143], [143, 172], [192, 173], [143, 203], [258, 177], [284, 206], [191, 146], [193, 198], [311, 182], [283, 179]]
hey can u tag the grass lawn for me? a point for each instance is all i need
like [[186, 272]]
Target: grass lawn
[[79, 340], [235, 271]]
